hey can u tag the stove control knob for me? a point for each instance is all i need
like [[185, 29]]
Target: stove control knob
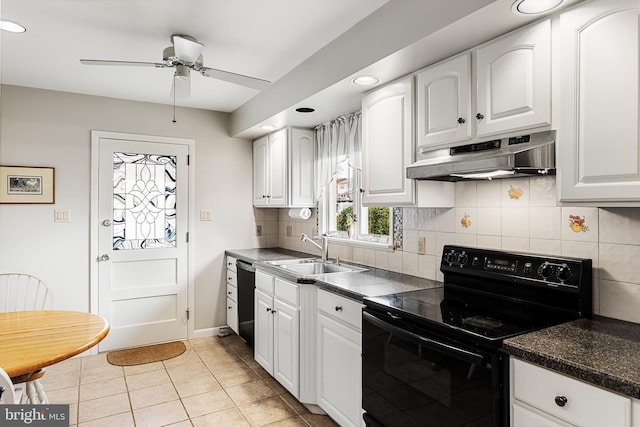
[[545, 270], [448, 257], [463, 258], [564, 273]]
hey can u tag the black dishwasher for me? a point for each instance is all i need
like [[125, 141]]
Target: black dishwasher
[[246, 288]]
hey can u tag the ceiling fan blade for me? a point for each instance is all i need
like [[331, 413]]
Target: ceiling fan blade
[[186, 48], [181, 82], [239, 79], [125, 63]]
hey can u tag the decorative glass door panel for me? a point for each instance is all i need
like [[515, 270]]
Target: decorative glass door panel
[[144, 201]]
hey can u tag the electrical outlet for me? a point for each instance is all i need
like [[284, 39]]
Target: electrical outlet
[[258, 230], [289, 230], [422, 245]]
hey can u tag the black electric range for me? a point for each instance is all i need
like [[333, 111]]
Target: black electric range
[[449, 338]]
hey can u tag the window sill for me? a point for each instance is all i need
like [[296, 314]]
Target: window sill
[[362, 244]]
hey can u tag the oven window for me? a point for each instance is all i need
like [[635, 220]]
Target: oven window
[[410, 384]]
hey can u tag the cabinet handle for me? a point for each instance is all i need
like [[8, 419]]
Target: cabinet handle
[[273, 312], [479, 116], [338, 308], [268, 309], [229, 293], [461, 120], [561, 400], [229, 308], [268, 197]]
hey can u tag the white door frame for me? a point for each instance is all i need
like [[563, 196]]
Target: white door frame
[[94, 220]]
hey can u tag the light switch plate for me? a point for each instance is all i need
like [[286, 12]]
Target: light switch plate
[[422, 245], [258, 230], [205, 215], [61, 215], [289, 230]]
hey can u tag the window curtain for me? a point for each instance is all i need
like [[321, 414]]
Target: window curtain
[[339, 137]]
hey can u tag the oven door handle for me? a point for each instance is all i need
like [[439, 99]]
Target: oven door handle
[[449, 350]]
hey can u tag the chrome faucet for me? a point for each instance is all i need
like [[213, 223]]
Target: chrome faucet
[[324, 248]]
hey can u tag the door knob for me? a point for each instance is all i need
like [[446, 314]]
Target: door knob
[[105, 257], [461, 120], [479, 116]]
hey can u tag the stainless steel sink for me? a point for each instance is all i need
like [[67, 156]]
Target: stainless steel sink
[[314, 267]]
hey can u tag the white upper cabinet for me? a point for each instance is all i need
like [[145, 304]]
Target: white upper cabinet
[[598, 104], [443, 94], [510, 82], [283, 173], [513, 75], [387, 144]]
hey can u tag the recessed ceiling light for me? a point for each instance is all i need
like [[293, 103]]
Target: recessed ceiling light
[[365, 80], [12, 27], [534, 7], [305, 110], [267, 127]]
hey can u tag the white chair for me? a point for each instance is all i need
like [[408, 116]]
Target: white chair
[[9, 393], [22, 292]]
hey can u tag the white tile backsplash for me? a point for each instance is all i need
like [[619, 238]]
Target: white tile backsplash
[[527, 221]]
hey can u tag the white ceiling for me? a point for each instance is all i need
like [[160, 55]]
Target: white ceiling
[[309, 49], [264, 39]]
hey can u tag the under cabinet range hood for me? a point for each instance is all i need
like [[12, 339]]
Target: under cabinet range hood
[[513, 156]]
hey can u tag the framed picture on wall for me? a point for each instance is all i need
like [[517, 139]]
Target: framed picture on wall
[[26, 184]]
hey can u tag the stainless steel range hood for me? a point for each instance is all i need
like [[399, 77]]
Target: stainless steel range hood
[[513, 156]]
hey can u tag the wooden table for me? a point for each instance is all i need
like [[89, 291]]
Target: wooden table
[[31, 340]]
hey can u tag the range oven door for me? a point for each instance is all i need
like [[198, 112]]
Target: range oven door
[[411, 377]]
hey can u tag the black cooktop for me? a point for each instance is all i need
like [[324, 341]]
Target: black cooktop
[[436, 307]]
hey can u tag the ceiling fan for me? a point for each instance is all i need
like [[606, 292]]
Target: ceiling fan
[[185, 55]]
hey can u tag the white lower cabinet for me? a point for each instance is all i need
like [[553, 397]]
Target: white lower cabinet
[[277, 330], [232, 295], [540, 397], [339, 360]]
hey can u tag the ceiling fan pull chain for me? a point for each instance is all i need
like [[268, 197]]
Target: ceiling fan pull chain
[[174, 103]]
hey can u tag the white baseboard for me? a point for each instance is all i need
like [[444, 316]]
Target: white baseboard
[[204, 333]]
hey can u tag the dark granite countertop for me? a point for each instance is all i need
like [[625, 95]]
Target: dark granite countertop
[[356, 286], [600, 351]]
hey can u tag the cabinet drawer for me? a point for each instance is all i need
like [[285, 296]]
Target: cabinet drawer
[[231, 263], [340, 308], [232, 292], [586, 405], [286, 291], [264, 282], [232, 277]]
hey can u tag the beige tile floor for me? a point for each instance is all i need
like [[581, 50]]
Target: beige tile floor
[[216, 382]]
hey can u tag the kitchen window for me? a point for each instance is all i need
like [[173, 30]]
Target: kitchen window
[[341, 213]]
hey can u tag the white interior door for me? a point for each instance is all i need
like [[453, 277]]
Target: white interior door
[[142, 239]]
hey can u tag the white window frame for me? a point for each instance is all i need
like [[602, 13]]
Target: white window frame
[[326, 207]]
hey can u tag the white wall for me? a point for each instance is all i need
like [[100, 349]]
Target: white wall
[[47, 128]]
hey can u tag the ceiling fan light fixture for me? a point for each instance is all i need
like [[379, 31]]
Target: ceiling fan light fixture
[[534, 7], [182, 72], [11, 27]]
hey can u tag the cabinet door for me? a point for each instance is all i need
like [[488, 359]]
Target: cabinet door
[[263, 344], [339, 371], [278, 168], [302, 180], [286, 341], [514, 81], [232, 315], [387, 144], [598, 103], [260, 170], [444, 102]]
